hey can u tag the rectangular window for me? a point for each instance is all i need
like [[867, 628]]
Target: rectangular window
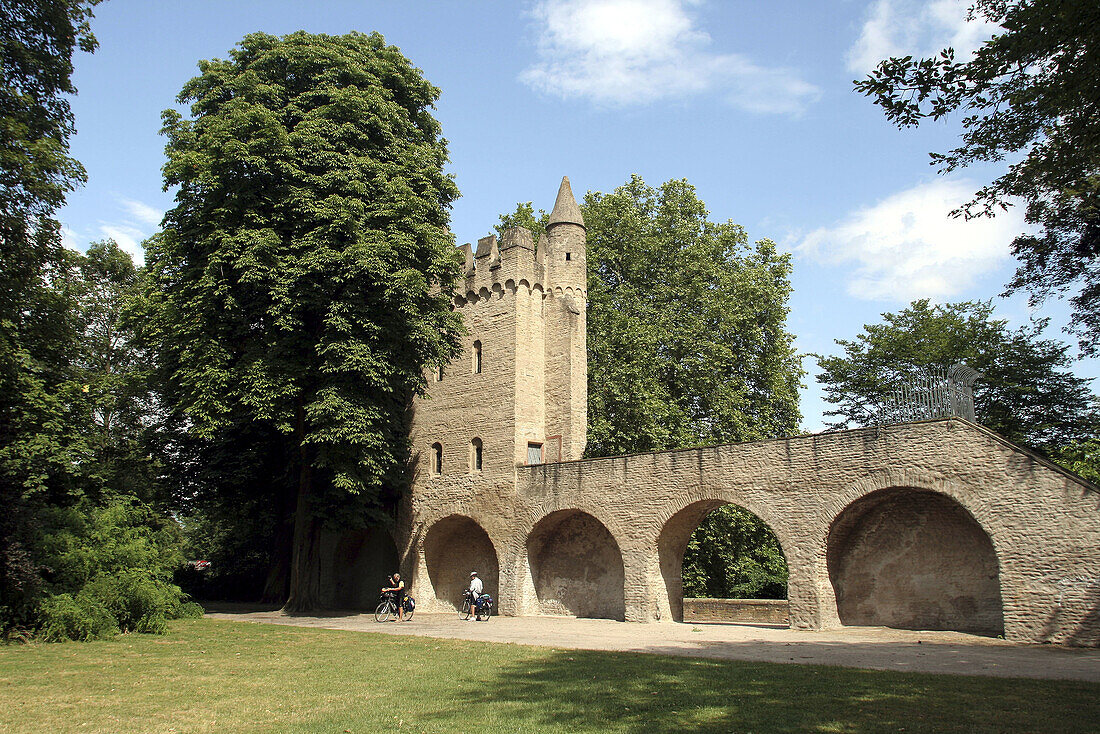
[[534, 453]]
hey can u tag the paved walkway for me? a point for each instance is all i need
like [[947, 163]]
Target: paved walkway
[[855, 647]]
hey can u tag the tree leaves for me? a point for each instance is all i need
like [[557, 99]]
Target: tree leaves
[[1029, 95]]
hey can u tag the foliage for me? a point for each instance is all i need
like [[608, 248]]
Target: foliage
[[1029, 94], [109, 569], [39, 397], [273, 678], [524, 216], [302, 280], [687, 342], [733, 554], [1025, 393]]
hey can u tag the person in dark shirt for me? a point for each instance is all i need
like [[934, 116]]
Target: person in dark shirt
[[398, 591]]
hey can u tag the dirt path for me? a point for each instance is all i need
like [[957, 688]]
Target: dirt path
[[855, 647]]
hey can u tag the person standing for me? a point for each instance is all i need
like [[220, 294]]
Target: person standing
[[477, 588], [398, 591]]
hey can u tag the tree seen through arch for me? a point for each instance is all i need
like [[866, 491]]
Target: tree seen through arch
[[733, 554]]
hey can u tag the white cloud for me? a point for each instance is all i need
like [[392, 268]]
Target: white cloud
[[128, 237], [918, 28], [907, 247], [142, 212], [623, 52]]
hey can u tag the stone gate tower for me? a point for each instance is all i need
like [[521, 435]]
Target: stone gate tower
[[517, 396]]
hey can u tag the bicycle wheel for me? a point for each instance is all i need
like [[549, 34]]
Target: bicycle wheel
[[485, 612], [409, 613], [384, 611], [464, 612]]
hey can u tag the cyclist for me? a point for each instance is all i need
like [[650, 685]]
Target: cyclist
[[398, 591], [476, 590]]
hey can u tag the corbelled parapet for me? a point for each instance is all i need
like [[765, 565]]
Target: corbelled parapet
[[517, 237]]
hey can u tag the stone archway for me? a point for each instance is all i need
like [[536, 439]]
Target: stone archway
[[453, 547], [914, 559], [357, 564], [672, 544], [576, 566]]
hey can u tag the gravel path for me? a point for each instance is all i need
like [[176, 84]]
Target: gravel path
[[855, 647]]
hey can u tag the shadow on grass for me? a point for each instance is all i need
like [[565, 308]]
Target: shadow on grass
[[574, 690]]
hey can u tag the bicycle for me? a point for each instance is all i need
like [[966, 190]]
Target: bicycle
[[483, 608], [387, 607]]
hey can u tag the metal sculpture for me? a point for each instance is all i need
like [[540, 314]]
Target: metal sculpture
[[937, 392]]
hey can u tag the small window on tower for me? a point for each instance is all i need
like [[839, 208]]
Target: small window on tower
[[477, 358], [534, 453], [475, 455], [439, 373], [568, 256], [437, 458]]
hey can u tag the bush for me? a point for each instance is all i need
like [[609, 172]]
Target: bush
[[110, 570], [82, 618]]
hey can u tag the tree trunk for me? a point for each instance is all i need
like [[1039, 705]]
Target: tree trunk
[[305, 563], [277, 586]]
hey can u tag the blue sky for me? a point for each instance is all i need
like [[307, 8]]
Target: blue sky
[[751, 102]]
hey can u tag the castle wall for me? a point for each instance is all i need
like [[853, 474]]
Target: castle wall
[[940, 524]]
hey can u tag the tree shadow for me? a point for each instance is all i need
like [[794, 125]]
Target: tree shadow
[[573, 690]]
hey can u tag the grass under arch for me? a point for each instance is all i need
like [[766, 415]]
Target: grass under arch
[[220, 676]]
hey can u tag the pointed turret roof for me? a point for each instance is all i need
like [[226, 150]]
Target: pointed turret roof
[[566, 210]]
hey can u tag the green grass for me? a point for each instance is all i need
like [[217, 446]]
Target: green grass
[[239, 677]]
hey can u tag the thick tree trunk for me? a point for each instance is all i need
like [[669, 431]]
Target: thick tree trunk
[[305, 565], [305, 562], [277, 586]]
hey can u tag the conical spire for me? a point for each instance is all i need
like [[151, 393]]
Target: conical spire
[[566, 210]]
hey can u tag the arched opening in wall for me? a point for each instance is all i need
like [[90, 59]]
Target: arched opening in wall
[[477, 358], [453, 547], [355, 565], [576, 566], [712, 552], [437, 458], [914, 559], [476, 456]]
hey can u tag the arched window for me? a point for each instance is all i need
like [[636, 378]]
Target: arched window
[[437, 458], [477, 358], [475, 455], [439, 373]]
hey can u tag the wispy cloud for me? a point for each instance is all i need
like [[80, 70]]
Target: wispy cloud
[[128, 237], [142, 212], [632, 52], [918, 28], [906, 246]]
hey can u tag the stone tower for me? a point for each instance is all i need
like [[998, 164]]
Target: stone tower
[[518, 394]]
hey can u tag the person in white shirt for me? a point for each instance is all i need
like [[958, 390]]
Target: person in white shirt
[[476, 590]]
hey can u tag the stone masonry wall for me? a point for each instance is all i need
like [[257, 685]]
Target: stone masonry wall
[[940, 524]]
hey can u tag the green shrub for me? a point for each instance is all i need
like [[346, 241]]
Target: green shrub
[[82, 618], [110, 570]]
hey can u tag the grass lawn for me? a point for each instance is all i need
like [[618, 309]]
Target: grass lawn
[[238, 677]]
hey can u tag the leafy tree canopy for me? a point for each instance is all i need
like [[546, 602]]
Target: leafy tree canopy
[[302, 280], [1026, 392], [687, 342], [1030, 95]]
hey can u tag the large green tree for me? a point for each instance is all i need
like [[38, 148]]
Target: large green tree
[[38, 393], [301, 283], [1028, 95], [1026, 391]]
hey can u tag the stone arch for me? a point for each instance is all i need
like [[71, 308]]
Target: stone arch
[[914, 558], [576, 566], [453, 547], [673, 540], [355, 565]]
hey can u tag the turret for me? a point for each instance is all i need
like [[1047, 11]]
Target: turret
[[566, 270], [565, 242]]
